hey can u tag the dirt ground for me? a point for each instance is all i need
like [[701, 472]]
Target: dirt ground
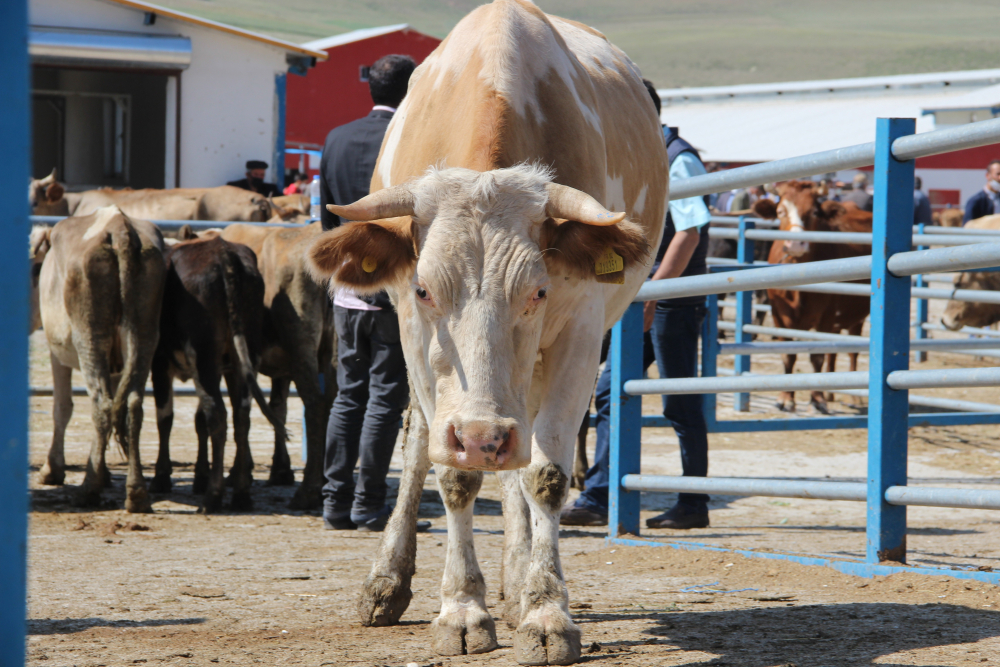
[[272, 587]]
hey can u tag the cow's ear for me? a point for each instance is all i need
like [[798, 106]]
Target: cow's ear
[[575, 247], [54, 192], [766, 208], [366, 256]]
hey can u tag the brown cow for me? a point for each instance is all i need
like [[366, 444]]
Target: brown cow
[[958, 314], [800, 209], [211, 327], [948, 217], [298, 345], [100, 290]]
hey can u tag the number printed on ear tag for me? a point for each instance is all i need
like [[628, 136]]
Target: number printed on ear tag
[[610, 268], [369, 264]]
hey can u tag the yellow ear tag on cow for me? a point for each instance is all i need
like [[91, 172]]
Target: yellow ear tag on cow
[[369, 264], [610, 268]]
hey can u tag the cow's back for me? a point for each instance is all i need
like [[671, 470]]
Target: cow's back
[[511, 85]]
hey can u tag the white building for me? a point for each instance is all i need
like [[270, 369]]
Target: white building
[[126, 93], [759, 122]]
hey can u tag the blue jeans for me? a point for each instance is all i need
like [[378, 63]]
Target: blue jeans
[[673, 343]]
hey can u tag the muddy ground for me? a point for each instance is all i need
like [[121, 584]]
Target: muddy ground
[[272, 587]]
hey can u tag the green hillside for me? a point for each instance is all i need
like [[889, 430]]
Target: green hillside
[[693, 42]]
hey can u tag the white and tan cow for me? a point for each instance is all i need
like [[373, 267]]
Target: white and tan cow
[[224, 203], [958, 314], [490, 213]]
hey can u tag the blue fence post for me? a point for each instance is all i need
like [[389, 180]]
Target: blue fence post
[[921, 317], [888, 410], [14, 273], [710, 354], [744, 312], [279, 131], [626, 422]]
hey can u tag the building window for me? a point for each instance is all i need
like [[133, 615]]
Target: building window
[[363, 73]]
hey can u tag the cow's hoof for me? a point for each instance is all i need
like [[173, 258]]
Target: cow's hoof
[[161, 484], [464, 632], [306, 498], [241, 502], [200, 484], [86, 496], [820, 406], [547, 638], [106, 478], [211, 505], [51, 477], [137, 501], [383, 600], [281, 478], [785, 406]]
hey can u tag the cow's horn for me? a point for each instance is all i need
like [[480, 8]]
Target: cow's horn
[[51, 178], [570, 204], [389, 203]]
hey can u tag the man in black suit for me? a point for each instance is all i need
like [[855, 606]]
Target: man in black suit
[[371, 375], [255, 180], [987, 200]]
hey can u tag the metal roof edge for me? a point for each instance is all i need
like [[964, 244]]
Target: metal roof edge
[[361, 34], [967, 77], [221, 27]]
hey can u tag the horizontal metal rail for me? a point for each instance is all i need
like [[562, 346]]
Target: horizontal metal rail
[[934, 402], [961, 231], [781, 488], [847, 347], [175, 225], [976, 331], [792, 333], [847, 238], [735, 220], [909, 147], [898, 380], [776, 276], [757, 307]]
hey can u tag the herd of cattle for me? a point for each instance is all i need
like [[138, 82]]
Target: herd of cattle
[[555, 160], [117, 301]]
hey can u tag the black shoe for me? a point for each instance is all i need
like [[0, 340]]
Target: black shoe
[[340, 523], [423, 526], [680, 518], [572, 515]]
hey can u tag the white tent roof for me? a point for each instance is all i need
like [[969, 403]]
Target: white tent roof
[[354, 36], [760, 122]]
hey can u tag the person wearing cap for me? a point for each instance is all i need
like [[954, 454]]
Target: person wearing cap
[[254, 181], [986, 201], [859, 194]]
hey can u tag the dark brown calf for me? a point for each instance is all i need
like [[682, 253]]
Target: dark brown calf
[[800, 209], [210, 328]]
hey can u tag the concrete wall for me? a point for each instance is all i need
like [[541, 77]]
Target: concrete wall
[[227, 95]]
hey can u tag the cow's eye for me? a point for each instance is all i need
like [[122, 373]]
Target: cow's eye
[[540, 294], [422, 294]]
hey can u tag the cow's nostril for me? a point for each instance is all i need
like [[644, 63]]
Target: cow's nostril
[[455, 439]]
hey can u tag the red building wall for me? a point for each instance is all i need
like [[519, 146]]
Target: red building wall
[[332, 93]]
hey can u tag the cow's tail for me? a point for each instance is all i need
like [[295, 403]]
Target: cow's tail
[[238, 327], [127, 246]]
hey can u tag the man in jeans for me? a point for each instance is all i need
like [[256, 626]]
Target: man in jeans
[[672, 327], [371, 375]]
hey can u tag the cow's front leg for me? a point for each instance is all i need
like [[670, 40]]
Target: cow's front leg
[[516, 545], [386, 592], [465, 625]]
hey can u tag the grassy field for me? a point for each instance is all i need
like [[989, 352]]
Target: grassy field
[[693, 42]]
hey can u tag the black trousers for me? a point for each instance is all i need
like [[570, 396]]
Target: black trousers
[[364, 420]]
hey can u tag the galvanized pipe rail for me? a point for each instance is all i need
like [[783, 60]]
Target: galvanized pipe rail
[[849, 238], [174, 225], [887, 273]]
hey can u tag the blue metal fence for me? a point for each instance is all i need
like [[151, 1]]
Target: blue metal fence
[[14, 275], [888, 380]]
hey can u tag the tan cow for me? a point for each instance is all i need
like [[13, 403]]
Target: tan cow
[[46, 196], [224, 203], [298, 345], [544, 126], [958, 314], [100, 290], [948, 217]]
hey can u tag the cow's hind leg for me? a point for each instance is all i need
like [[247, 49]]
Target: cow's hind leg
[[163, 396], [309, 495], [386, 592], [54, 470], [816, 398], [786, 400], [239, 398], [281, 464], [210, 424], [465, 625], [89, 493]]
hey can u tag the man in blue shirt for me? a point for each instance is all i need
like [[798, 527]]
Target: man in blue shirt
[[987, 200], [921, 204], [671, 339]]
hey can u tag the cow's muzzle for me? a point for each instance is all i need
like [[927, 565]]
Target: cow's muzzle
[[796, 248], [483, 445]]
